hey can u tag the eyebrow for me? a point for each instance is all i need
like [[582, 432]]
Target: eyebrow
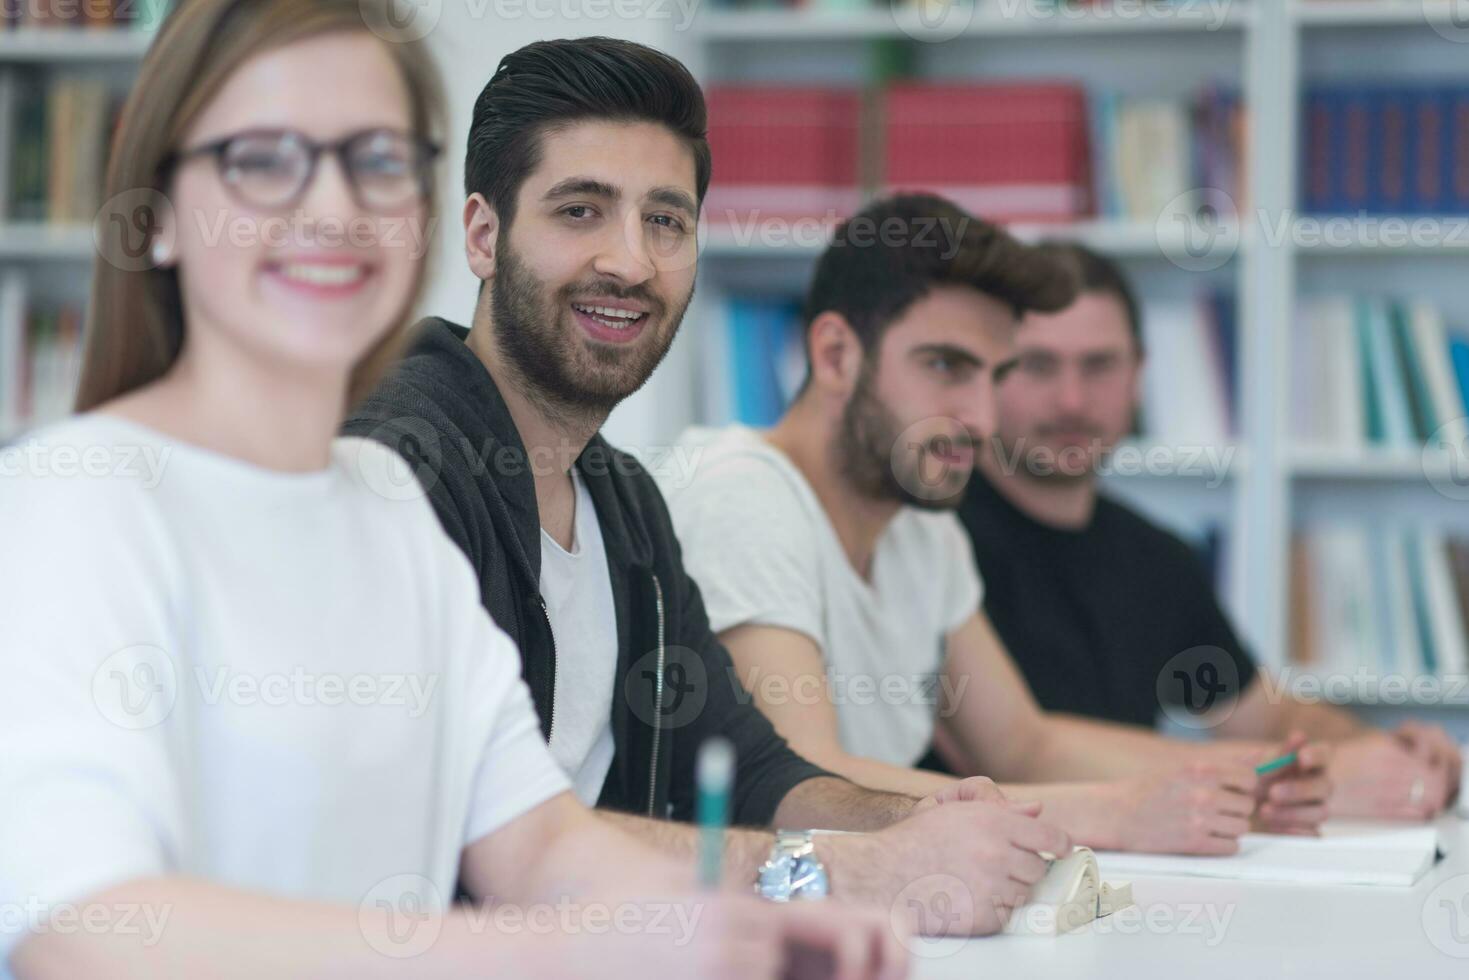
[[592, 187]]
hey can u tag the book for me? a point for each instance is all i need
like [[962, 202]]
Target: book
[[1346, 854]]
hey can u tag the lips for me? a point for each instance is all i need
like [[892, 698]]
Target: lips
[[324, 278], [610, 322]]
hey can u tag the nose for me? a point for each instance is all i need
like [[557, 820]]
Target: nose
[[1070, 396], [624, 252], [329, 192], [979, 413]]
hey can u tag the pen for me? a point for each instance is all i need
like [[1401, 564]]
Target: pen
[[715, 773], [1274, 764]]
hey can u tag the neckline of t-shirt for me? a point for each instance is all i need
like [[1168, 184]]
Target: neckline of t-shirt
[[804, 487], [262, 477], [579, 491], [1015, 515]]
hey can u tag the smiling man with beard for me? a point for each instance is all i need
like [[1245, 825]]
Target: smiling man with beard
[[837, 575], [587, 165]]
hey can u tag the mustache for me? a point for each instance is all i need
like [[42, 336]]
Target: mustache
[[949, 442], [1069, 427]]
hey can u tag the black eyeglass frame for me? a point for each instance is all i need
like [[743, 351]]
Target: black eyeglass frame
[[428, 152]]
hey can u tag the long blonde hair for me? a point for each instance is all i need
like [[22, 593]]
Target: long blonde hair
[[134, 326]]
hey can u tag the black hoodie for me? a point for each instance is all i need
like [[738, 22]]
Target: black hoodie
[[676, 686]]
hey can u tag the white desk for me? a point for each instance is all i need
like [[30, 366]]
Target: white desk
[[1196, 929]]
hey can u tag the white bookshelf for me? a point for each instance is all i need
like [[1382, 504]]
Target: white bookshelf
[[72, 46], [55, 258], [1266, 48]]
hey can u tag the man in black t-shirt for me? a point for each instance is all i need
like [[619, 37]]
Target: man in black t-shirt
[[1110, 616]]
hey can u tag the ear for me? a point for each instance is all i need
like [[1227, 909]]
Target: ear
[[836, 354], [481, 231]]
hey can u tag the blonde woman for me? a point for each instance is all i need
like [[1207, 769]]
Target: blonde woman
[[255, 722]]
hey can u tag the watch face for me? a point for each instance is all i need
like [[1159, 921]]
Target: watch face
[[776, 873], [808, 880]]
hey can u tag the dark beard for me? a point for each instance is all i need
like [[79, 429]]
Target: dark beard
[[564, 377], [864, 449]]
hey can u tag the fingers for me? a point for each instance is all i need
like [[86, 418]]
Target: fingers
[[842, 942], [1029, 808], [1027, 868], [1038, 837], [1241, 778]]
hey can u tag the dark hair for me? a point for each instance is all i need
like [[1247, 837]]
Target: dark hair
[[893, 252], [1097, 273], [549, 84]]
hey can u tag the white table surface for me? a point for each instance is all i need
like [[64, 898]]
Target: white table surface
[[1197, 929]]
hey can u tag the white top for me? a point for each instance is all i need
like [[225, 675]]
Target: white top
[[281, 682], [578, 593], [763, 552]]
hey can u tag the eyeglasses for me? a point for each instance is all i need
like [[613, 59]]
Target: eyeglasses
[[271, 168]]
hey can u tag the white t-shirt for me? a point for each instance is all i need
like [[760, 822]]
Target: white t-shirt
[[758, 542], [281, 682], [578, 593]]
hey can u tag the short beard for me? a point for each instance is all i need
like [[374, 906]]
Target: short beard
[[568, 381], [864, 450]]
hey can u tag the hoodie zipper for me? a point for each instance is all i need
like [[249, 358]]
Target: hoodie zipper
[[551, 632], [657, 702]]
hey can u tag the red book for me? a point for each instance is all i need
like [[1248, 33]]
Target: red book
[[1009, 152], [782, 154]]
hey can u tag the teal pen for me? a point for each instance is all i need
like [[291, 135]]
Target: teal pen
[[714, 771], [1274, 764]]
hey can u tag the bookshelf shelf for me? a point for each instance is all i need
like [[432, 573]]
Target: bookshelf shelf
[[1374, 13], [45, 242], [1122, 239], [1407, 234], [991, 19], [68, 45], [1381, 464]]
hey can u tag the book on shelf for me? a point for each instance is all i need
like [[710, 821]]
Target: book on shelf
[[1378, 373], [60, 131], [1014, 152], [784, 152], [40, 356], [142, 15], [1385, 149], [1390, 600], [1190, 394], [761, 362]]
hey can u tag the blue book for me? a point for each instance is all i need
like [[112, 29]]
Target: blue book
[[1392, 152], [760, 330], [1459, 353], [1457, 117]]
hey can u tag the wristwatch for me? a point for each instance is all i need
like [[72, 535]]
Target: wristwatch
[[792, 871]]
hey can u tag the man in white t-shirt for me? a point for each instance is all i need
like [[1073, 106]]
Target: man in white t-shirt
[[834, 570]]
